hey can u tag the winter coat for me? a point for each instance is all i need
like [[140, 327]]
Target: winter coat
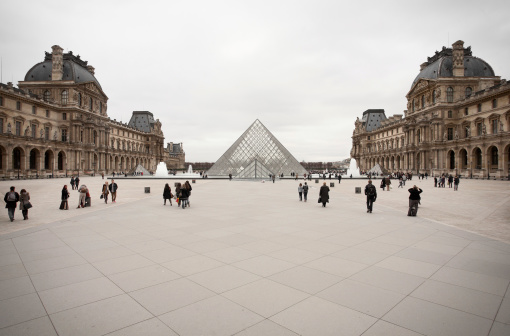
[[11, 204], [105, 190], [167, 193], [324, 193], [24, 198], [65, 194], [414, 194]]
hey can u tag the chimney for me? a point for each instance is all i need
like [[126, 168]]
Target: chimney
[[458, 59], [423, 65], [170, 147], [57, 68], [91, 69]]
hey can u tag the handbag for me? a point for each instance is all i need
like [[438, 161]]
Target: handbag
[[320, 200], [101, 197], [27, 205]]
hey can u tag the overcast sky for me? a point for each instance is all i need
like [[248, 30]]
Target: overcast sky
[[208, 69]]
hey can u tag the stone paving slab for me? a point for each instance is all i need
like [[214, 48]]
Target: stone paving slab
[[247, 258]]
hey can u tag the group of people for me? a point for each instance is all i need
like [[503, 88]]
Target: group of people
[[75, 182], [11, 200], [182, 194], [414, 197], [443, 179]]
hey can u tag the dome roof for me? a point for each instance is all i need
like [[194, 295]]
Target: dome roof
[[74, 69], [441, 65]]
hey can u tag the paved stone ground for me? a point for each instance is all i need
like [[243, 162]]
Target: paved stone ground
[[249, 259]]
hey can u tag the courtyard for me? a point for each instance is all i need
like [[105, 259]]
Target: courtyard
[[248, 258]]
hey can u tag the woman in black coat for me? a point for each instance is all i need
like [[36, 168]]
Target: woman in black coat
[[65, 196], [167, 194], [324, 194]]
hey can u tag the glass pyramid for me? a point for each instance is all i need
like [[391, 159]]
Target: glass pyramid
[[256, 154]]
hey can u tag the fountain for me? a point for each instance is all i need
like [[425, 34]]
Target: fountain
[[353, 169], [189, 173], [161, 170]]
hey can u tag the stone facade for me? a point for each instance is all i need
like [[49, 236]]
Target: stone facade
[[176, 156], [56, 123], [457, 122]]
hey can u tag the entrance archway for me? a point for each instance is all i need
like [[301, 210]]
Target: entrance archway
[[463, 159], [48, 159], [35, 157], [61, 160], [451, 160], [17, 159]]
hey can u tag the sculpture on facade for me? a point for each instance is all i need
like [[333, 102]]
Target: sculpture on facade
[[9, 128], [26, 131]]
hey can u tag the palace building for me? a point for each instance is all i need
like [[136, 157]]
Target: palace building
[[56, 123], [457, 122]]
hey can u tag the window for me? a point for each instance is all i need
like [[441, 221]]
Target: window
[[368, 138], [466, 111], [101, 107], [1, 125], [81, 136], [469, 91], [64, 135], [47, 133], [494, 124], [423, 101], [450, 114], [34, 130], [18, 127], [494, 103], [413, 105], [479, 129], [449, 94], [34, 110], [64, 116], [450, 133], [79, 99], [1, 101], [18, 106], [479, 107], [47, 113], [90, 104], [46, 95], [434, 97], [65, 96], [494, 155]]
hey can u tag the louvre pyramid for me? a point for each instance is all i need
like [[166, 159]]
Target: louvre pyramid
[[256, 154]]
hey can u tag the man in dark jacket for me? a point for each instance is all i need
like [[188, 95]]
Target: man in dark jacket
[[324, 194], [371, 193], [113, 190], [11, 199], [414, 199]]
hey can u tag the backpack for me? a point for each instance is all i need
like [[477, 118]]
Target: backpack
[[11, 197], [371, 190]]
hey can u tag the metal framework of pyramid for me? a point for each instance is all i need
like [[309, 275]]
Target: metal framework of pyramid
[[255, 155]]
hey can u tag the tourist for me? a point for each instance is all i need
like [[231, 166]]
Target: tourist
[[305, 191], [404, 178], [400, 183], [83, 196], [178, 193], [273, 178], [65, 195], [388, 182], [184, 196], [24, 203], [383, 183], [105, 192], [324, 195], [371, 193], [76, 182], [414, 199], [167, 194], [113, 189], [102, 176], [72, 182], [450, 181], [188, 188], [11, 199], [435, 181], [339, 178], [300, 191], [229, 177], [456, 182]]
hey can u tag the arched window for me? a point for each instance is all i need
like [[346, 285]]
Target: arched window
[[65, 96], [423, 101], [413, 105], [46, 95], [434, 97], [90, 104], [449, 94], [469, 91], [79, 99]]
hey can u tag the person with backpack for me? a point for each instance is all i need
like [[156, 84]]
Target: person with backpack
[[305, 191], [371, 193], [456, 182], [414, 199], [11, 199]]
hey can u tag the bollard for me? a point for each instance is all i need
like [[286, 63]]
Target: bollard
[[331, 184], [316, 181], [358, 190], [193, 181], [175, 184], [147, 190]]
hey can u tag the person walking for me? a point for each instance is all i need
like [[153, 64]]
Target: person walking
[[404, 179], [76, 182], [400, 183], [435, 182], [113, 189], [24, 203], [188, 189], [11, 199], [339, 178], [414, 199], [167, 194], [105, 191], [102, 176], [72, 182], [450, 181], [371, 193], [456, 182], [184, 196], [300, 191], [83, 195], [305, 191], [383, 183], [178, 193], [388, 183], [65, 195], [324, 195]]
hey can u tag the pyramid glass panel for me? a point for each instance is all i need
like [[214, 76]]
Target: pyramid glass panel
[[256, 154]]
